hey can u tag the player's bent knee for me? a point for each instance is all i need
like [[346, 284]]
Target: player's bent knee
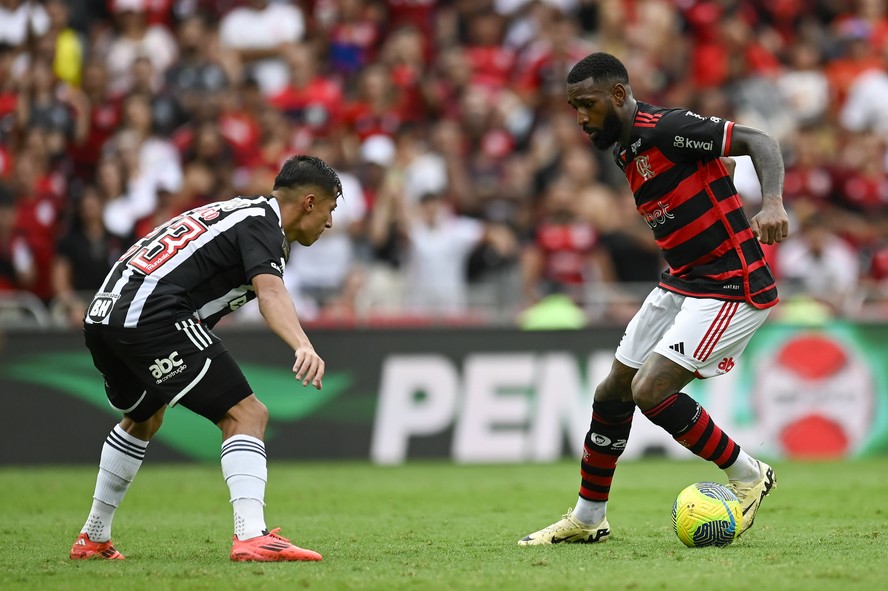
[[249, 415], [645, 393]]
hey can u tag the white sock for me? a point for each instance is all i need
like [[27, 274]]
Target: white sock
[[744, 469], [245, 471], [589, 512], [122, 456]]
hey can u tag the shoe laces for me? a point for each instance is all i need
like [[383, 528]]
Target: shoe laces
[[274, 534], [565, 517]]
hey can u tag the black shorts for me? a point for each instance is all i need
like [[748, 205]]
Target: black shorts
[[183, 363]]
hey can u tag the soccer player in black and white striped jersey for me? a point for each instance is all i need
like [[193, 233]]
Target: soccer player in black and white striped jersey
[[149, 332], [715, 294]]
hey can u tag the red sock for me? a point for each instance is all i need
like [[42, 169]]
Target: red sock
[[604, 443], [690, 425]]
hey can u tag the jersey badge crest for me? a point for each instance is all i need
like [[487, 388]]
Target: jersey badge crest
[[643, 165]]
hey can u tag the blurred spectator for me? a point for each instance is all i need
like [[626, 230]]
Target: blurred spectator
[[865, 107], [17, 267], [83, 257], [39, 105], [134, 36], [20, 19], [354, 28], [196, 77], [241, 111], [309, 100], [854, 58], [258, 31], [809, 176], [166, 113], [438, 244], [69, 45], [375, 109], [97, 115], [564, 249], [803, 85], [818, 263], [211, 156], [404, 54], [37, 216], [150, 162]]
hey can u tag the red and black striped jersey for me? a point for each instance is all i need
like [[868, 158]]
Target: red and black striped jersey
[[685, 194]]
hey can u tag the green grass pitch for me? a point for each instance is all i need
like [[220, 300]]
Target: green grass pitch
[[442, 526]]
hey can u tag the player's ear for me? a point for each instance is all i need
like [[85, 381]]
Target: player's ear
[[619, 93], [309, 201]]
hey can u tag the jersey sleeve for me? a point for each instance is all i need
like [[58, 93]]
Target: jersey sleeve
[[686, 135], [261, 242]]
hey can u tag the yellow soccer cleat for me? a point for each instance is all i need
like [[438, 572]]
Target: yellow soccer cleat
[[752, 495], [568, 531]]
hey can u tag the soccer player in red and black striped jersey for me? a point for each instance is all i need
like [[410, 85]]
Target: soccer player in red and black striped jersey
[[148, 330], [715, 294]]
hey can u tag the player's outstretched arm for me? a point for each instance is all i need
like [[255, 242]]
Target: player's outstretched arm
[[771, 224], [279, 312]]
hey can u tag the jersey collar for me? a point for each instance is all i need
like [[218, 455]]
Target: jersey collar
[[276, 207]]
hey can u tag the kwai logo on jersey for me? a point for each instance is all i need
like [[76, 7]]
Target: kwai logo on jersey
[[643, 165], [658, 216], [163, 369], [683, 142]]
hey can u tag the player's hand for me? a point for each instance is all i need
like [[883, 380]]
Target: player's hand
[[309, 367], [771, 224]]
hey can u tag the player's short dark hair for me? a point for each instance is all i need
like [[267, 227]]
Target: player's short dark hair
[[305, 170], [600, 66]]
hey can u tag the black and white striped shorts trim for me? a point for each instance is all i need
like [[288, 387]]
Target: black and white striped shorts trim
[[196, 333], [133, 450], [243, 445]]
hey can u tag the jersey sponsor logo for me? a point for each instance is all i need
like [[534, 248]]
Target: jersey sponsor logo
[[100, 308], [683, 142], [636, 145], [643, 166], [167, 367], [658, 216], [695, 115]]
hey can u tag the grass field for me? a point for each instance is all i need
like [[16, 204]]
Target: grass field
[[441, 526]]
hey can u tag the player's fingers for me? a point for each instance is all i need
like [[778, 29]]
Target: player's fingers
[[302, 365], [754, 226], [784, 231], [309, 368], [319, 374]]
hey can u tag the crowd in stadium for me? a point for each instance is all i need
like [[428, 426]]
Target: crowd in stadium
[[467, 185]]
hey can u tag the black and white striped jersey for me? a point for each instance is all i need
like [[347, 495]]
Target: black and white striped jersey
[[199, 263]]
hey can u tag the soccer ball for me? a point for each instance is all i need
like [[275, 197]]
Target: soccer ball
[[706, 514]]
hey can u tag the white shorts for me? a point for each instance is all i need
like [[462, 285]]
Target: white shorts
[[705, 336]]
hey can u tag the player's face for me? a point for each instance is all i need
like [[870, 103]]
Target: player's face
[[596, 112], [318, 217]]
